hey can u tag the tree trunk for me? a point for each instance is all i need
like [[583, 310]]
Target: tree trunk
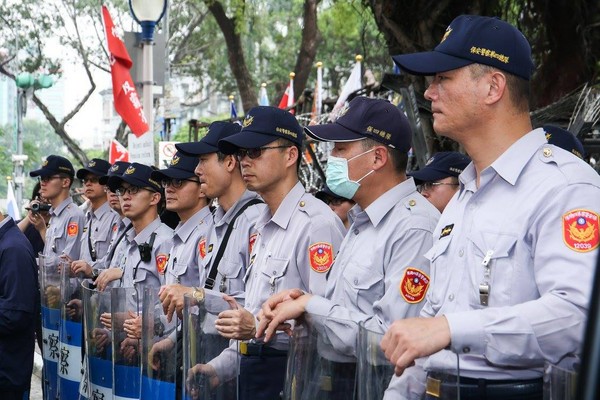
[[311, 36], [235, 55], [59, 128]]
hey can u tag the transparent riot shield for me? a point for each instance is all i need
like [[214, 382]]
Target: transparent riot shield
[[321, 364], [201, 344], [125, 351], [560, 380], [374, 370], [159, 353], [70, 334], [50, 309], [98, 348]]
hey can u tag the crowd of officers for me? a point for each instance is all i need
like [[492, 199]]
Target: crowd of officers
[[499, 282]]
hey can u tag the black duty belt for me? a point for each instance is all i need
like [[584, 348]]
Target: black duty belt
[[261, 350], [445, 387]]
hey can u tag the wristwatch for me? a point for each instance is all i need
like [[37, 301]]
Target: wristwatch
[[198, 295]]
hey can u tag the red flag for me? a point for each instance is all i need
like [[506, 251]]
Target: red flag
[[127, 102], [117, 152], [287, 101]]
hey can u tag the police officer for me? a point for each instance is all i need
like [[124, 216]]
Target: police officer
[[185, 197], [514, 253], [237, 211], [380, 273], [149, 241], [104, 275], [101, 220], [290, 230], [63, 235], [437, 181], [19, 305]]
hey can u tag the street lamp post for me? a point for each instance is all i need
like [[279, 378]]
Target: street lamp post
[[147, 13]]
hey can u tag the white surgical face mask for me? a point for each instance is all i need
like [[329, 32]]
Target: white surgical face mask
[[337, 177]]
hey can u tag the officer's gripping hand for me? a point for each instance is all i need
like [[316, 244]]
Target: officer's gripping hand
[[281, 312], [197, 379], [158, 351], [412, 338], [106, 276], [133, 326], [237, 323], [171, 297], [81, 269]]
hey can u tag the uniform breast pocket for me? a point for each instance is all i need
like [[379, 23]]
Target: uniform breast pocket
[[101, 242], [139, 275], [362, 286], [439, 270], [231, 272], [177, 270], [274, 272], [498, 250]]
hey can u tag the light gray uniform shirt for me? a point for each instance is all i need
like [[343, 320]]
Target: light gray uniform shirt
[[138, 273], [63, 235], [530, 231], [236, 256], [295, 248], [380, 273], [104, 222], [182, 266]]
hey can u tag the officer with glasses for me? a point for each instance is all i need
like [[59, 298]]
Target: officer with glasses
[[149, 241], [104, 275], [63, 235], [101, 220], [338, 204], [298, 237], [437, 181]]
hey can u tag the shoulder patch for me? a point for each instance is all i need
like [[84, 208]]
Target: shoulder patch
[[72, 228], [161, 262], [202, 247], [413, 285], [251, 242], [321, 256], [580, 230]]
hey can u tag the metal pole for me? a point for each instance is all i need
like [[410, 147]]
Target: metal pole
[[19, 178], [148, 83]]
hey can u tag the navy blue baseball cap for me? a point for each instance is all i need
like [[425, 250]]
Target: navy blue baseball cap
[[210, 143], [326, 192], [441, 165], [473, 39], [180, 167], [137, 175], [564, 139], [54, 165], [370, 118], [261, 126], [95, 166], [116, 169]]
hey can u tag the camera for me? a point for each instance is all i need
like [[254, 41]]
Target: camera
[[39, 207]]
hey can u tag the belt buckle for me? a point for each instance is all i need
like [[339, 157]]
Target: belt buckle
[[433, 387], [326, 383], [244, 348]]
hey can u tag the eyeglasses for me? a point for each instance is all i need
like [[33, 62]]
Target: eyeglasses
[[257, 152], [90, 179], [131, 189], [427, 186], [176, 183], [46, 179], [335, 201]]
